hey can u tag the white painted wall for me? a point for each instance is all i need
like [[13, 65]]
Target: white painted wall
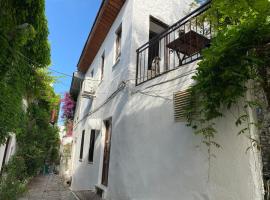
[[86, 175], [65, 152], [153, 157], [10, 151]]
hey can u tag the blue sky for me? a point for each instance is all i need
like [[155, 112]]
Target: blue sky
[[69, 24]]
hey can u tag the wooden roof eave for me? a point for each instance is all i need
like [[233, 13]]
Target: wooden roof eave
[[106, 16]]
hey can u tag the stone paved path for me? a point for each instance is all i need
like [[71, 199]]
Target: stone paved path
[[48, 187]]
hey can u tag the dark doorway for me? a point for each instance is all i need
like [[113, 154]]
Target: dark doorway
[[92, 146], [156, 27], [82, 145], [107, 149]]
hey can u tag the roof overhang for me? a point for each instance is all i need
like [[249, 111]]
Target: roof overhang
[[107, 13], [76, 83]]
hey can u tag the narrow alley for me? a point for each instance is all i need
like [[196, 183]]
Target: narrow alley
[[134, 100], [49, 187]]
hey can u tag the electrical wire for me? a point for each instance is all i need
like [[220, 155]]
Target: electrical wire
[[152, 95], [40, 65], [35, 62], [123, 85], [151, 92], [120, 88], [68, 75], [175, 78], [60, 73]]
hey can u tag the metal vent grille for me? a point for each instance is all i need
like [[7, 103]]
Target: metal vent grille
[[181, 101]]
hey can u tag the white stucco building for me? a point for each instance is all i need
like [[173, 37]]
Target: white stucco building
[[130, 141], [7, 150], [65, 153]]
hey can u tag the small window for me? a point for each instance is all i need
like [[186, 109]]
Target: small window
[[102, 64], [82, 144], [92, 146], [118, 43], [92, 73]]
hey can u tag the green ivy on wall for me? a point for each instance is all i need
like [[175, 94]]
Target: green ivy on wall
[[239, 52], [24, 58]]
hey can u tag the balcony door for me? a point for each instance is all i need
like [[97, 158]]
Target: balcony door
[[156, 27], [106, 155]]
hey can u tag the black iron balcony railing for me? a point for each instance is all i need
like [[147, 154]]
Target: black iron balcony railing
[[178, 45]]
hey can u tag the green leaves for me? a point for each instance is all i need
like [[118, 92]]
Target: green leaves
[[13, 183], [237, 55], [240, 119], [24, 50], [24, 56]]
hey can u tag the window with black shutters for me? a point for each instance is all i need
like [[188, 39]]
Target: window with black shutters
[[91, 146], [82, 143]]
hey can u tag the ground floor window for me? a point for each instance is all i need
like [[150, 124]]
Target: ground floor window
[[92, 146], [82, 144]]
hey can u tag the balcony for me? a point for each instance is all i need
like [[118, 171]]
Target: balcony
[[89, 87], [176, 46], [76, 85]]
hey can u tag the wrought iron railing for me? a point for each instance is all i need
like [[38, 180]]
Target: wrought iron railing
[[178, 45]]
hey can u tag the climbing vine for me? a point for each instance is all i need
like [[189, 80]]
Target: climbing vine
[[23, 41], [239, 53], [68, 107], [24, 57]]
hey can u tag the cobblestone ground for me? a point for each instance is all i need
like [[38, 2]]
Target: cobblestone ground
[[48, 187]]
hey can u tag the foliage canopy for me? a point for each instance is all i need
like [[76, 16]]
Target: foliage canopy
[[239, 52], [24, 57]]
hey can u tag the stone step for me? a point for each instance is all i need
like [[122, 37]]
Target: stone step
[[87, 195]]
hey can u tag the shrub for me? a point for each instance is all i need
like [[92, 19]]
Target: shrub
[[13, 180]]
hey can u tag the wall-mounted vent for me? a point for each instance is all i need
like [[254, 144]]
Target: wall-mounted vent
[[181, 101]]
